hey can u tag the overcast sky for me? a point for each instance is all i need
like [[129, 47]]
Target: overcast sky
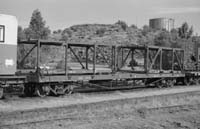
[[60, 14]]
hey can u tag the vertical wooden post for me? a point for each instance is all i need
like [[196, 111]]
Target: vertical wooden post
[[94, 60], [161, 59], [66, 59], [118, 64], [38, 54], [112, 59], [172, 59], [86, 54], [183, 54], [122, 49], [147, 59], [115, 58], [132, 58]]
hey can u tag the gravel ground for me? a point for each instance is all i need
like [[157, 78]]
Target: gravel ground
[[22, 104], [168, 111], [184, 117]]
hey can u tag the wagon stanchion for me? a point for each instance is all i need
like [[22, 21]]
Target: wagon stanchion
[[29, 89], [1, 92]]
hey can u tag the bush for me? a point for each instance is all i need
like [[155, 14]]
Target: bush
[[100, 32], [123, 25]]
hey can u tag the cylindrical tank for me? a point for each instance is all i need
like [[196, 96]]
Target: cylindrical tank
[[162, 23], [8, 44]]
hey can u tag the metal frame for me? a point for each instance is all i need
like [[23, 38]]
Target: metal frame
[[150, 61], [37, 45], [93, 48], [116, 72]]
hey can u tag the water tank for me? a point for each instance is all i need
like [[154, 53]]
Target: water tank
[[162, 23]]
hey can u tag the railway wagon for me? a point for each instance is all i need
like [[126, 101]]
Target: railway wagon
[[104, 66], [58, 67]]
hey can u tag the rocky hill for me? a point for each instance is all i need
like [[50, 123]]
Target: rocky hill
[[99, 33]]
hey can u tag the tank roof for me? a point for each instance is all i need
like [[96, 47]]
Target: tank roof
[[160, 18]]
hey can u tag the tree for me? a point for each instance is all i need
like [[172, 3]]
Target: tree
[[101, 32], [134, 26], [123, 25], [163, 39], [146, 29], [59, 31], [66, 34], [174, 34], [184, 31], [20, 33], [37, 28]]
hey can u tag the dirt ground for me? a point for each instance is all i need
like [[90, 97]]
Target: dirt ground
[[23, 104], [170, 111], [180, 118]]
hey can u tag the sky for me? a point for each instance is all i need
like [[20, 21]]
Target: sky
[[60, 14]]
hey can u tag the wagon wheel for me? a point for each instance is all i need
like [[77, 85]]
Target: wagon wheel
[[171, 82], [42, 91], [197, 81], [1, 93], [187, 81], [60, 90], [70, 89], [161, 83]]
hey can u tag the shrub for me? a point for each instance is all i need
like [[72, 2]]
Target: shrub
[[123, 25], [101, 32]]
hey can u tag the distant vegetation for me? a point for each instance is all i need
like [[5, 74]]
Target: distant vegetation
[[37, 29]]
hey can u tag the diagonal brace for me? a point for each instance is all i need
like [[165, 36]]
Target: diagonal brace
[[83, 67], [27, 54], [179, 62], [102, 54], [154, 59], [123, 63]]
